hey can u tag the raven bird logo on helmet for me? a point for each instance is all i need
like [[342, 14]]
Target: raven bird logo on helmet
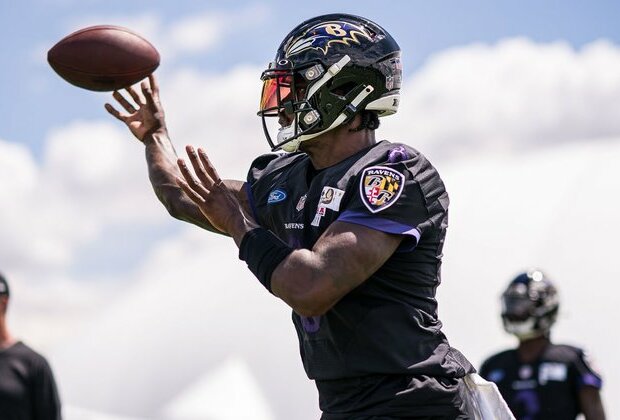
[[323, 35], [530, 305], [327, 70]]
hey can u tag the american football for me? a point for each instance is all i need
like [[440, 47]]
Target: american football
[[103, 58]]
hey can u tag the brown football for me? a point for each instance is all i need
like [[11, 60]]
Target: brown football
[[103, 58]]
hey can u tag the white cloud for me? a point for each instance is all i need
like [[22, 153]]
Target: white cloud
[[217, 112], [77, 413], [197, 33], [18, 169], [188, 35], [203, 32], [91, 175], [229, 393], [25, 213], [100, 168], [91, 178], [45, 311], [512, 95]]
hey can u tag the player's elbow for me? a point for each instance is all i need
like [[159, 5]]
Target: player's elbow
[[308, 301], [304, 284], [173, 209]]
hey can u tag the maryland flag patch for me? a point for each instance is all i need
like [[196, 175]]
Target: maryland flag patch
[[380, 187]]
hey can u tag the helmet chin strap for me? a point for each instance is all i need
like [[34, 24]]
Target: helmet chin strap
[[289, 131]]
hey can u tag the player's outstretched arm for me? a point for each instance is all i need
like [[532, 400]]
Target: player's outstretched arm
[[146, 121]]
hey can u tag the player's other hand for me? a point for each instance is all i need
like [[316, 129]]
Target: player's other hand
[[218, 203], [145, 116]]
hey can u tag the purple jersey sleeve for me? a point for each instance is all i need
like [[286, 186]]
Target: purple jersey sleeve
[[390, 199], [586, 374]]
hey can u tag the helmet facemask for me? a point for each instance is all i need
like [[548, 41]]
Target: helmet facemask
[[326, 71], [285, 95], [529, 306], [311, 98]]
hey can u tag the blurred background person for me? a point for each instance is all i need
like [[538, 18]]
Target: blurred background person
[[539, 379], [27, 386]]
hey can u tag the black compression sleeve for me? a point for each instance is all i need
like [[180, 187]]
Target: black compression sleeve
[[263, 252]]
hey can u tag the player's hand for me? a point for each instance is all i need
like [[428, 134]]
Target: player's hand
[[219, 205], [147, 115]]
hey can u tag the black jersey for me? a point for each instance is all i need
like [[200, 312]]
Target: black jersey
[[27, 386], [545, 389], [386, 330]]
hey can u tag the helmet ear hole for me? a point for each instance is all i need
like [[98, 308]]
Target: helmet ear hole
[[343, 89]]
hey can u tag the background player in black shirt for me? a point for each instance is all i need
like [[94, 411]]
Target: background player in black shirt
[[27, 386], [539, 379], [346, 230]]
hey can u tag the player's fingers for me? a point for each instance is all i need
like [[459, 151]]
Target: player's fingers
[[134, 95], [124, 102], [193, 183], [154, 87], [200, 171], [147, 91], [209, 168], [114, 112], [187, 174], [195, 197]]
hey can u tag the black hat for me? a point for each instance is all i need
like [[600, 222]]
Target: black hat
[[4, 286]]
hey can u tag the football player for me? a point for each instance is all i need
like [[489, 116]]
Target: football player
[[539, 379], [346, 230], [27, 386]]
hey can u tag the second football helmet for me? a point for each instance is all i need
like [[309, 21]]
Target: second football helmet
[[327, 70], [530, 305]]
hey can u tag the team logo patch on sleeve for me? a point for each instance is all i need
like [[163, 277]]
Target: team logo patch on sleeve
[[380, 187]]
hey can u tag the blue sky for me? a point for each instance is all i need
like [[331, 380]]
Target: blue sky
[[34, 100], [516, 103]]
